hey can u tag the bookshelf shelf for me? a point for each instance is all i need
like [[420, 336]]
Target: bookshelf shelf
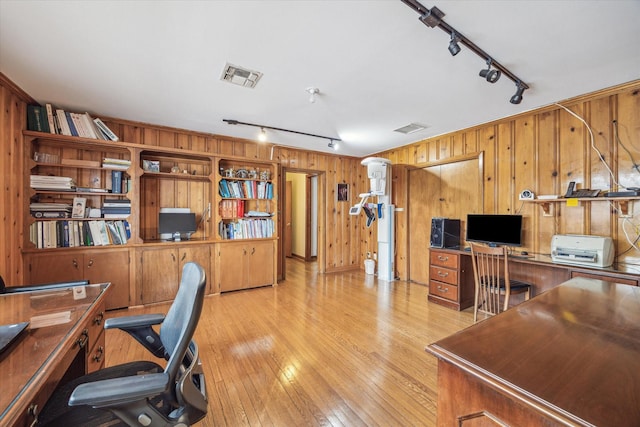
[[623, 204]]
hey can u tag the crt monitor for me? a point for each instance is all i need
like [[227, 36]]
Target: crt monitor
[[177, 225], [495, 229]]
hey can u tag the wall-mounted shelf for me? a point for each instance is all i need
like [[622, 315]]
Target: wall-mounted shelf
[[622, 203]]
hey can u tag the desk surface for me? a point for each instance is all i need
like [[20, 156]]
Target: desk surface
[[55, 317], [573, 351]]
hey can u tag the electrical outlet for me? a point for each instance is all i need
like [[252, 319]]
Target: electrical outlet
[[368, 255]]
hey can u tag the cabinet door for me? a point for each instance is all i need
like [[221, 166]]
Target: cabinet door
[[231, 266], [200, 255], [110, 266], [159, 278], [259, 264], [50, 268]]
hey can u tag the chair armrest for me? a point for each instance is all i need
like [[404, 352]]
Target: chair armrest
[[133, 321], [119, 391]]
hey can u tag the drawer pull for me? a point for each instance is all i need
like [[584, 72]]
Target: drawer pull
[[441, 289], [99, 353], [99, 318], [33, 413], [84, 338], [443, 258], [441, 274]]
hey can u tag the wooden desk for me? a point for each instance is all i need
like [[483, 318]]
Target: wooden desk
[[539, 270], [46, 353], [567, 357]]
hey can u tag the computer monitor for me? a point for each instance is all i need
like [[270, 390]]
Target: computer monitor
[[495, 229], [179, 225]]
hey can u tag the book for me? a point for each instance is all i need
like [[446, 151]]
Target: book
[[50, 118], [72, 126], [77, 122], [94, 128], [63, 125], [116, 181], [105, 129], [35, 119]]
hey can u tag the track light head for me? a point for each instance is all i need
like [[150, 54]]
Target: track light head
[[490, 75], [454, 47], [517, 97], [313, 91], [334, 144], [262, 136]]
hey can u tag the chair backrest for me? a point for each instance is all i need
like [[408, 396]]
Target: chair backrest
[[491, 274], [182, 318]]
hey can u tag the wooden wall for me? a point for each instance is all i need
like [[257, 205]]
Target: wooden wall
[[543, 150]]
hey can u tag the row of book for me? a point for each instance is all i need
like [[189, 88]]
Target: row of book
[[49, 119], [246, 189], [75, 233], [246, 229], [116, 208], [53, 183]]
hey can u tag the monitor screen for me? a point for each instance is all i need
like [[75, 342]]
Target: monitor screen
[[172, 223], [495, 229]]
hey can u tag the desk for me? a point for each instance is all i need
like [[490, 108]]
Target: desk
[[64, 340], [566, 357], [539, 270]]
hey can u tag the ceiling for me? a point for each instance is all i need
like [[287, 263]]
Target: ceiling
[[377, 67]]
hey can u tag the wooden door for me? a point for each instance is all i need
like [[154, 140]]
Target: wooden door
[[259, 261], [51, 268], [201, 255], [231, 266], [288, 214], [159, 275], [424, 192], [110, 266]]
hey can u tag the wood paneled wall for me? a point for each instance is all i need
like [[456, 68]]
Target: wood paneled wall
[[543, 150]]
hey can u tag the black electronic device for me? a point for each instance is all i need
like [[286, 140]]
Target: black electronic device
[[445, 233], [495, 229], [572, 193], [623, 193], [178, 224]]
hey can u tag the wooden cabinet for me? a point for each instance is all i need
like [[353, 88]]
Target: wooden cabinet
[[160, 269], [450, 279], [243, 265], [97, 266]]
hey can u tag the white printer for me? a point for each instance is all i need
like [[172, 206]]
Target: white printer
[[576, 249]]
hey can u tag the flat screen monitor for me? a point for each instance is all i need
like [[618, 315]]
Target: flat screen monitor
[[177, 225], [495, 229]]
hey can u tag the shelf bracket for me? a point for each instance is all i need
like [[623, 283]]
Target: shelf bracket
[[547, 208], [624, 208]]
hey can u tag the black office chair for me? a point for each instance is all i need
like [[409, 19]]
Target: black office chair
[[143, 393]]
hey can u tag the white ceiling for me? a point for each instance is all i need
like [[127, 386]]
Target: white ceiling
[[377, 66]]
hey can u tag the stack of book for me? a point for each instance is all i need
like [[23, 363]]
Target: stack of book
[[119, 164], [58, 121], [72, 233], [54, 183], [50, 210], [116, 208]]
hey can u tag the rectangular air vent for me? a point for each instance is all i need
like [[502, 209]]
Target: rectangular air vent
[[411, 128], [240, 76]]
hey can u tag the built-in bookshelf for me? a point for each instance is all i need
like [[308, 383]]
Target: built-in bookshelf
[[246, 200]]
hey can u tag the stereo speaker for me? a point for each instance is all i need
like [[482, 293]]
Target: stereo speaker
[[445, 233]]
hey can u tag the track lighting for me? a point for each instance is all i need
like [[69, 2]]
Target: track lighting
[[333, 142], [490, 75], [454, 47], [433, 18], [517, 97], [262, 136], [313, 91]]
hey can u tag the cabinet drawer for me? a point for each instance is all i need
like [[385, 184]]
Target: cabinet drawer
[[443, 275], [444, 259], [95, 357], [443, 290]]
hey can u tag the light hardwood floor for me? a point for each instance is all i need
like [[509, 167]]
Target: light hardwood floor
[[333, 350]]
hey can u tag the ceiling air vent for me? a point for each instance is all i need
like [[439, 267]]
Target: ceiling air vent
[[240, 76], [411, 128]]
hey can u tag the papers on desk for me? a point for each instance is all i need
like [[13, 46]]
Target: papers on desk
[[50, 319]]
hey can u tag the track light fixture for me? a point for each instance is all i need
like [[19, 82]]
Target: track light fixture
[[517, 97], [313, 91], [262, 136], [490, 75], [333, 142], [454, 47], [433, 18]]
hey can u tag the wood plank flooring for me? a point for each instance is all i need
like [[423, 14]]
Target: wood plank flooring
[[318, 349]]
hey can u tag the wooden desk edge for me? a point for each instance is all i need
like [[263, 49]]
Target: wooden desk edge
[[505, 387], [29, 394]]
